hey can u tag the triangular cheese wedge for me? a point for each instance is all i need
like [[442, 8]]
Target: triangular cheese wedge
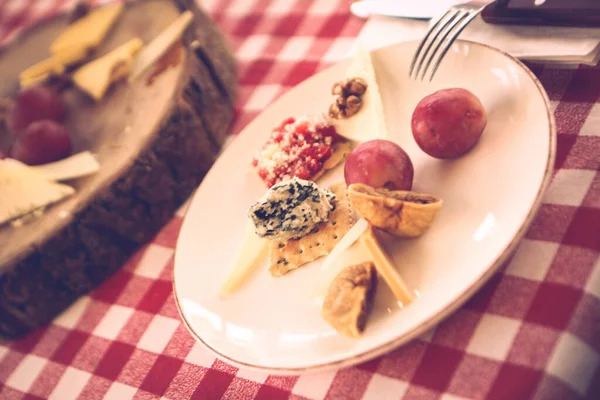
[[250, 256], [96, 76], [160, 44], [385, 268], [369, 122], [360, 245], [75, 166], [334, 262], [23, 190], [87, 32]]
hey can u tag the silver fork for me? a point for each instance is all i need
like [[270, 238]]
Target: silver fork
[[451, 23]]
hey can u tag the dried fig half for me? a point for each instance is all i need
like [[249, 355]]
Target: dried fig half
[[349, 299], [398, 212]]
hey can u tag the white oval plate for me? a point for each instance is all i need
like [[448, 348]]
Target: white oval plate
[[490, 196]]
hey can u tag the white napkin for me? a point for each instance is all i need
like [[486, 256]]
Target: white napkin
[[562, 45]]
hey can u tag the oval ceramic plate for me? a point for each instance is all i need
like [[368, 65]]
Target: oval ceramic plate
[[490, 196]]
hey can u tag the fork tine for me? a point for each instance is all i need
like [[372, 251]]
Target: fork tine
[[462, 26], [461, 14], [429, 31], [452, 13]]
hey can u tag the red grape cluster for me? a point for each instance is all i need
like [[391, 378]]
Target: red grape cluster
[[39, 137]]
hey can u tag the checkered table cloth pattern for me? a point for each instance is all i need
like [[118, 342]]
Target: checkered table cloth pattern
[[532, 332]]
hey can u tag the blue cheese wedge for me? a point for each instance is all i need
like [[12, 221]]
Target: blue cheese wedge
[[291, 209]]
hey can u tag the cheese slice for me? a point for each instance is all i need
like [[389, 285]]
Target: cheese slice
[[88, 31], [48, 66], [23, 190], [25, 83], [54, 65], [333, 263], [96, 76], [160, 44], [369, 122], [359, 245], [252, 252], [75, 166], [40, 72], [385, 268]]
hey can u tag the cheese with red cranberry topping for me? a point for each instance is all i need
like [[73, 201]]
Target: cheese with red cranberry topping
[[296, 148]]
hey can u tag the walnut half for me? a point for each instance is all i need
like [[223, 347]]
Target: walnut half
[[349, 101]]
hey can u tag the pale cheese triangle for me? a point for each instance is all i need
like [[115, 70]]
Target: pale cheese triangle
[[369, 122], [96, 76], [385, 268], [333, 263], [23, 190], [359, 245], [75, 166], [160, 44], [251, 254], [88, 31]]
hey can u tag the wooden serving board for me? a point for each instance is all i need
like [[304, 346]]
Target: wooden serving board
[[154, 142]]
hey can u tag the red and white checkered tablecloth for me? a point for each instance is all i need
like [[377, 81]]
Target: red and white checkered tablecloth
[[533, 332]]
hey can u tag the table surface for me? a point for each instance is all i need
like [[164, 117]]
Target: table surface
[[532, 332]]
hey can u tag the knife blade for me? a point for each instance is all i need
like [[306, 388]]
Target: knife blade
[[412, 9]]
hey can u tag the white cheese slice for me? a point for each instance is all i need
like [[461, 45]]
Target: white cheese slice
[[250, 256], [369, 122], [385, 268], [333, 264], [23, 190], [160, 44], [75, 166], [357, 246]]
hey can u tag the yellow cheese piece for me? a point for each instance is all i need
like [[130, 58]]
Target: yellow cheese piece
[[385, 268], [33, 81], [96, 76], [54, 65], [89, 31], [71, 55], [160, 44], [252, 252], [44, 67]]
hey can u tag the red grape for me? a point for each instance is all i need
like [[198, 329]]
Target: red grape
[[35, 104], [41, 142], [448, 123], [380, 164]]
